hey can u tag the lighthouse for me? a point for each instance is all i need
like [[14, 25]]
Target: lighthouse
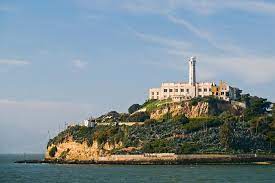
[[192, 71]]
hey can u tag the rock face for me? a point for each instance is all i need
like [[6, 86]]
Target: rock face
[[71, 150], [199, 110]]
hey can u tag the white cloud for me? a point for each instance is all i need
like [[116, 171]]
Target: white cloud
[[166, 42], [251, 69], [13, 62], [167, 6], [79, 64], [223, 46]]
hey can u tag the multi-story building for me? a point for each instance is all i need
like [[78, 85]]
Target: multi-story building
[[186, 90]]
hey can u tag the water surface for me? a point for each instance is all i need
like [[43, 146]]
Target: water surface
[[11, 172]]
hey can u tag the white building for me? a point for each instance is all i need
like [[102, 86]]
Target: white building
[[89, 122], [186, 90]]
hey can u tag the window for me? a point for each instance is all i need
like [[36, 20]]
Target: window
[[222, 93], [199, 89], [181, 90], [152, 93], [217, 93], [170, 90], [165, 90], [157, 93], [176, 90], [187, 90], [199, 95], [227, 94], [205, 89], [210, 89]]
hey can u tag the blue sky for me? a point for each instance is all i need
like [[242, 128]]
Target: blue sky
[[65, 60]]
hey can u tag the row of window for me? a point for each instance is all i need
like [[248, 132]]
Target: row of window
[[176, 90], [222, 93], [187, 90], [182, 90]]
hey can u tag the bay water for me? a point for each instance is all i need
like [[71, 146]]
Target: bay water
[[51, 173]]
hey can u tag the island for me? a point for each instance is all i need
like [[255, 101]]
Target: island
[[179, 123]]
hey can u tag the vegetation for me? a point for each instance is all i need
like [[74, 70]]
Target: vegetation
[[180, 119], [138, 117], [79, 134], [253, 130], [256, 106], [151, 105], [52, 151], [64, 154], [133, 108], [226, 135]]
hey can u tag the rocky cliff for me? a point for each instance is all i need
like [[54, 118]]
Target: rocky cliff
[[71, 150]]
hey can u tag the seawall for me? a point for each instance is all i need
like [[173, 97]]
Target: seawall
[[171, 159]]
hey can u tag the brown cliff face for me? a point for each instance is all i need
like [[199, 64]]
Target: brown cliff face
[[199, 110], [71, 150]]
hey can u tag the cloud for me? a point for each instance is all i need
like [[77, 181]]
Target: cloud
[[79, 64], [223, 46], [251, 69], [166, 42], [14, 62], [205, 7]]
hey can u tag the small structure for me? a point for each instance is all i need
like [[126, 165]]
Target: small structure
[[91, 122]]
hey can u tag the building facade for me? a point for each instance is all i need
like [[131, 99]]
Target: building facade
[[186, 90]]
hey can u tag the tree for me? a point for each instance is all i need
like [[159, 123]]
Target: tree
[[180, 119], [256, 106], [226, 135], [133, 108]]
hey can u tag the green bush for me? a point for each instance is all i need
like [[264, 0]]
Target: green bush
[[196, 124], [148, 122], [180, 119], [133, 108], [64, 154], [52, 151], [139, 117], [226, 135], [188, 148], [159, 146]]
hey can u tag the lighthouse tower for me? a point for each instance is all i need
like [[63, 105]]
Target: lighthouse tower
[[192, 71]]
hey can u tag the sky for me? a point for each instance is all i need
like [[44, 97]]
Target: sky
[[65, 60]]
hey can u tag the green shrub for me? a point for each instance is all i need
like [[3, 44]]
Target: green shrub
[[63, 155], [133, 108], [180, 119], [188, 148], [149, 121], [159, 146], [52, 151], [226, 135], [139, 117], [196, 124]]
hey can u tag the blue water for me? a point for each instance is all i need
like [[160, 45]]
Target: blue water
[[11, 172]]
